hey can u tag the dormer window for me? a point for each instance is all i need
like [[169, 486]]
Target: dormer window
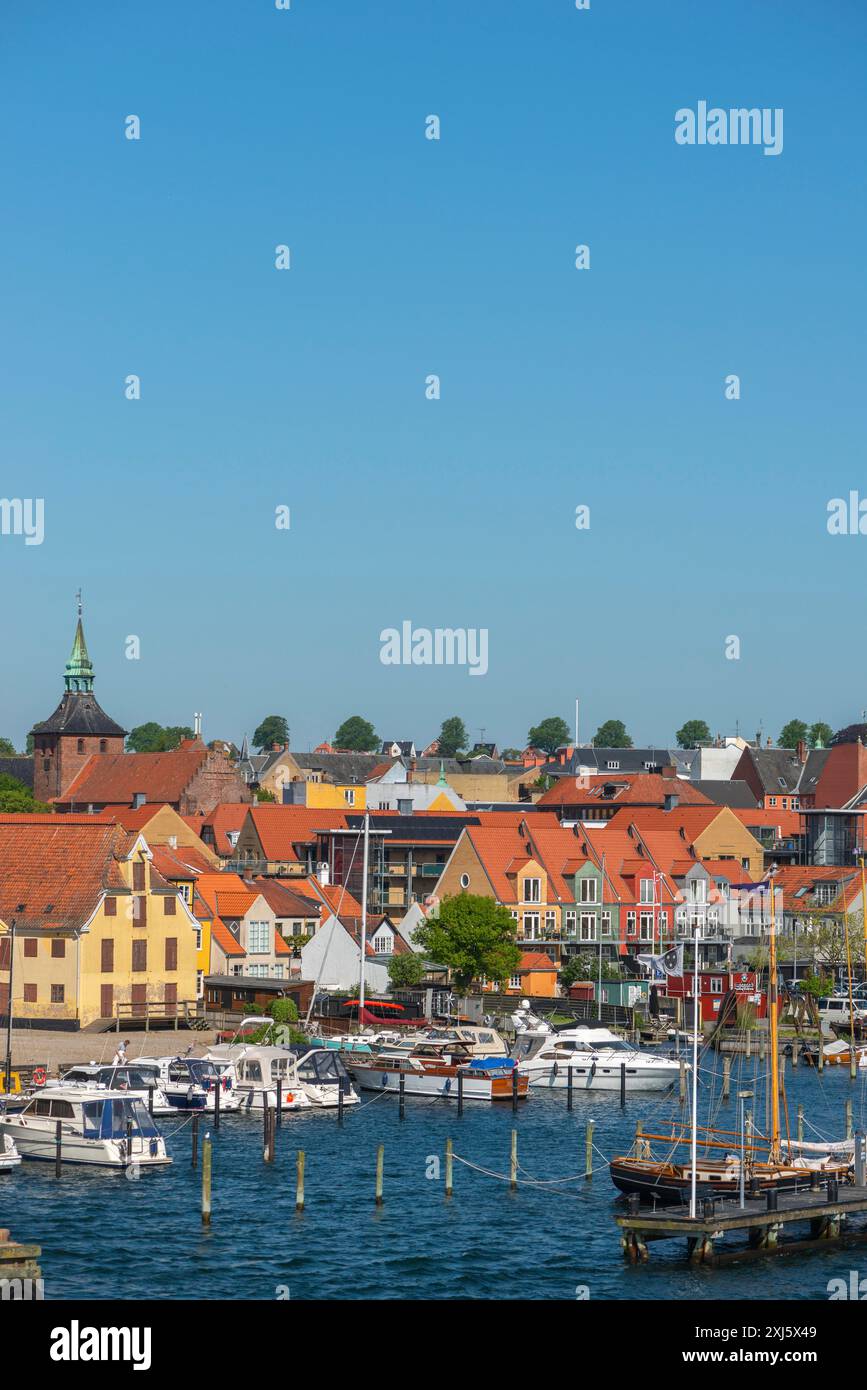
[[612, 765]]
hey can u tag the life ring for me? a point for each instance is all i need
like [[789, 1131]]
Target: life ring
[[39, 1076]]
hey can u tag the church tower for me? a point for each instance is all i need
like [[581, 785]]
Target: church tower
[[76, 730]]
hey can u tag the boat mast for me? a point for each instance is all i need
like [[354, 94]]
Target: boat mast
[[774, 1156], [363, 916], [696, 1010]]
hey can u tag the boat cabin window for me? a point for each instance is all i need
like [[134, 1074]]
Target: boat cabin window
[[62, 1110], [250, 1071], [179, 1071]]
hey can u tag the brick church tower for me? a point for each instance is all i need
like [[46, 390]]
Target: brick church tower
[[78, 727]]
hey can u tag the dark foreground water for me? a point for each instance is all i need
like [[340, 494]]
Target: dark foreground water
[[104, 1235]]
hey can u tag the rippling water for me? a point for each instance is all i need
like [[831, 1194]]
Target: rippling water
[[106, 1236]]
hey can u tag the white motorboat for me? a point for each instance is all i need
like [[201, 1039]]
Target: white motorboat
[[136, 1078], [594, 1057], [308, 1075], [9, 1155], [191, 1083], [97, 1128]]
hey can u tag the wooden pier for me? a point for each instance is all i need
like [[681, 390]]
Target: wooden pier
[[18, 1263], [763, 1219]]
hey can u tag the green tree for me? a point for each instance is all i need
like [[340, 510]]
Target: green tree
[[406, 971], [7, 748], [28, 744], [356, 734], [452, 737], [693, 733], [263, 794], [819, 733], [17, 799], [154, 738], [273, 729], [511, 755], [577, 967], [473, 936], [792, 733], [612, 734], [550, 734], [284, 1011]]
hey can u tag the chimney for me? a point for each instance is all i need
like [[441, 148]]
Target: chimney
[[138, 799], [769, 743], [410, 772], [669, 770], [802, 751], [276, 747]]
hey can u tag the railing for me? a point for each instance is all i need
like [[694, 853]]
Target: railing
[[159, 1011]]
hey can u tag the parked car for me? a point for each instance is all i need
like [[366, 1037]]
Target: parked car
[[835, 1010]]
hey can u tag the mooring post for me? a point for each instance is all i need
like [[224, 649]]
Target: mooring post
[[859, 1158], [206, 1181], [266, 1129], [569, 1087], [278, 1114], [449, 1161], [682, 1081], [151, 1101], [800, 1123], [58, 1147], [622, 1084], [849, 1118], [340, 1102], [299, 1181], [795, 1053], [195, 1153], [727, 1077], [460, 1093], [514, 1090], [513, 1162], [128, 1159], [380, 1153], [218, 1086], [401, 1097], [749, 1042], [821, 1057], [853, 1063], [588, 1151]]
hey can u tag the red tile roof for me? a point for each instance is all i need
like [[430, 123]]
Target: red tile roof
[[115, 778], [60, 865], [534, 960], [228, 817], [225, 940], [631, 789]]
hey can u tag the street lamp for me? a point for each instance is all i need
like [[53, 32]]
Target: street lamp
[[742, 1096]]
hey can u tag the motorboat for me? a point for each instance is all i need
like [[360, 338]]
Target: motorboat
[[191, 1083], [309, 1075], [593, 1057], [96, 1128], [138, 1079], [433, 1069], [9, 1155]]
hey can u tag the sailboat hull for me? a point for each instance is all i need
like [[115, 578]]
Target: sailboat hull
[[671, 1183]]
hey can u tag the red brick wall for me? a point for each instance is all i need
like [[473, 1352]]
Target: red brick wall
[[64, 761], [218, 780]]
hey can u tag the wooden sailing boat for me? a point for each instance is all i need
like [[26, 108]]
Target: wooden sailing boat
[[732, 1162]]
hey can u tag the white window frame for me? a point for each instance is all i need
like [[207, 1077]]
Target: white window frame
[[531, 890]]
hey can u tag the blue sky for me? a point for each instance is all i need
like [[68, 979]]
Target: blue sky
[[455, 257]]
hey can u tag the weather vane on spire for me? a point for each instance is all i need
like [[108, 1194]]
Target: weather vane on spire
[[78, 601]]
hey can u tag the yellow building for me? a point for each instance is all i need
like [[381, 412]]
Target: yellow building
[[98, 932]]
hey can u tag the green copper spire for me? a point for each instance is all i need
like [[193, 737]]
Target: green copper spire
[[79, 670], [441, 781]]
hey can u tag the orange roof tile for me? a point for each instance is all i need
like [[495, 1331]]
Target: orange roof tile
[[54, 874]]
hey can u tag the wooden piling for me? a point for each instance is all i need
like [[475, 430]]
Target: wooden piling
[[513, 1162], [460, 1094], [588, 1151], [727, 1078], [849, 1118], [195, 1153], [58, 1147], [749, 1042], [821, 1057], [569, 1071], [380, 1155], [514, 1090], [128, 1151], [449, 1168], [206, 1181], [299, 1181], [800, 1124], [682, 1087], [622, 1085], [795, 1053], [401, 1096], [278, 1114], [151, 1101], [340, 1102], [218, 1086]]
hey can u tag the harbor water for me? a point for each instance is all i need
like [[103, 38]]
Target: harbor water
[[110, 1235]]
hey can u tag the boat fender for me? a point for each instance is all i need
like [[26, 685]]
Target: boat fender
[[554, 1069], [592, 1069], [39, 1077], [385, 1079]]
